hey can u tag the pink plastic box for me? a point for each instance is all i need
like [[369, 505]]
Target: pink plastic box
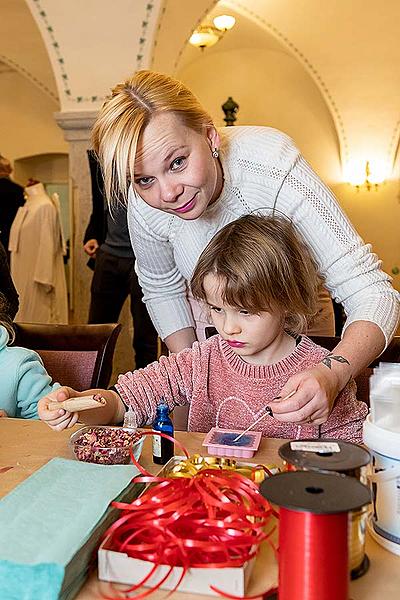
[[219, 442]]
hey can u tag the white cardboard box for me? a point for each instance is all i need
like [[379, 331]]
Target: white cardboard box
[[120, 568]]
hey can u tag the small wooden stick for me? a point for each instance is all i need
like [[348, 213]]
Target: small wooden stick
[[268, 411], [78, 404]]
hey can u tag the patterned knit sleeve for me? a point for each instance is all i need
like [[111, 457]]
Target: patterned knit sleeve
[[352, 271], [164, 287], [171, 377]]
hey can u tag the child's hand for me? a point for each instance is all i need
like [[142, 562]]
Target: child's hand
[[3, 413], [58, 419]]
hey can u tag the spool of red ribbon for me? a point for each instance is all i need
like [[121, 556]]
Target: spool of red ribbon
[[346, 459], [313, 529]]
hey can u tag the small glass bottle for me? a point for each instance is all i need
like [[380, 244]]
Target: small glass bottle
[[130, 419], [163, 449]]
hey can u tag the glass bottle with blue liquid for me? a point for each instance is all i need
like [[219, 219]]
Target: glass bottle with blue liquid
[[163, 449]]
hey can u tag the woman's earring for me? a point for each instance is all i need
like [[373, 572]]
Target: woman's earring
[[215, 153]]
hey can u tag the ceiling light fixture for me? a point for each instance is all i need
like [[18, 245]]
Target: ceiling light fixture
[[206, 36]]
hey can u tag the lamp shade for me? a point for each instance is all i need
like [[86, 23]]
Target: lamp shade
[[224, 22], [204, 37]]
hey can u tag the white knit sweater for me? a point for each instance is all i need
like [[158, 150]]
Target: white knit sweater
[[262, 168]]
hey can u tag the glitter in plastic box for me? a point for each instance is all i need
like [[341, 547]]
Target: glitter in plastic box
[[219, 442], [106, 444]]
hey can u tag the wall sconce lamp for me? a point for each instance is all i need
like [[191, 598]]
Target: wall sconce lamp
[[366, 179], [206, 36], [367, 184]]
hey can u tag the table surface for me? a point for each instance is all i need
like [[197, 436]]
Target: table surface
[[27, 445]]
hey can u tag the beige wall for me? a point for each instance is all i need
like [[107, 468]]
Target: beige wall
[[273, 89], [26, 119], [48, 168], [376, 215]]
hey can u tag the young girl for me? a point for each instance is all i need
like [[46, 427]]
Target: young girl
[[260, 284], [23, 378]]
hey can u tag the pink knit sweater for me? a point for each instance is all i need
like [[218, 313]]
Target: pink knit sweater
[[224, 391]]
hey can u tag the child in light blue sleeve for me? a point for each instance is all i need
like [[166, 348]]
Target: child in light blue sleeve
[[23, 378]]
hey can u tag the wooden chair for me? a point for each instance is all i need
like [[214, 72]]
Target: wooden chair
[[79, 356], [391, 354]]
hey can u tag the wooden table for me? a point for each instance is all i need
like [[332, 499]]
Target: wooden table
[[27, 445]]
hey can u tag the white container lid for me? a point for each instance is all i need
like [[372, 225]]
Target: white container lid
[[381, 440]]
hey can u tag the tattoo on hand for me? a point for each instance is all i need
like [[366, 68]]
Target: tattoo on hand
[[327, 361]]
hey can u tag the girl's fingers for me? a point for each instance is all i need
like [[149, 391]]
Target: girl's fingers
[[73, 420], [68, 420], [58, 419], [51, 415]]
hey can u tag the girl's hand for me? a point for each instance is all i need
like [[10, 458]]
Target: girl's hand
[[3, 413], [58, 419], [316, 392]]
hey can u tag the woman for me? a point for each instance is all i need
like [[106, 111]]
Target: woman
[[189, 180]]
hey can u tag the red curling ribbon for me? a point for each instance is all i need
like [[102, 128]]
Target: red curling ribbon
[[264, 595], [215, 519], [313, 556], [142, 469]]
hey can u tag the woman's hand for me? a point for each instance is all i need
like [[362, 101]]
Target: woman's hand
[[58, 419], [316, 392], [3, 413]]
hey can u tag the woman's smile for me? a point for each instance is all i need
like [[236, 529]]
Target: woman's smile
[[188, 206]]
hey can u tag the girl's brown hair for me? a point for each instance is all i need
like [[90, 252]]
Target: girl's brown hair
[[263, 265], [5, 319], [125, 114]]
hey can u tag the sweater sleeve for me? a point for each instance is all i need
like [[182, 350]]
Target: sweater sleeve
[[172, 377], [33, 382], [164, 287], [352, 271]]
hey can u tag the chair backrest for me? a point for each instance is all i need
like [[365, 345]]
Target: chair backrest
[[79, 356], [390, 354]]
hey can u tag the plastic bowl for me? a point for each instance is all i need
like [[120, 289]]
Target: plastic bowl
[[106, 445]]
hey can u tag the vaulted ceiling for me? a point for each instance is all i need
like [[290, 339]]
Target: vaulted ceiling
[[75, 51]]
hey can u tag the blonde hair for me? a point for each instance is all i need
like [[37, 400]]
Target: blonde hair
[[264, 266], [5, 319], [126, 113]]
